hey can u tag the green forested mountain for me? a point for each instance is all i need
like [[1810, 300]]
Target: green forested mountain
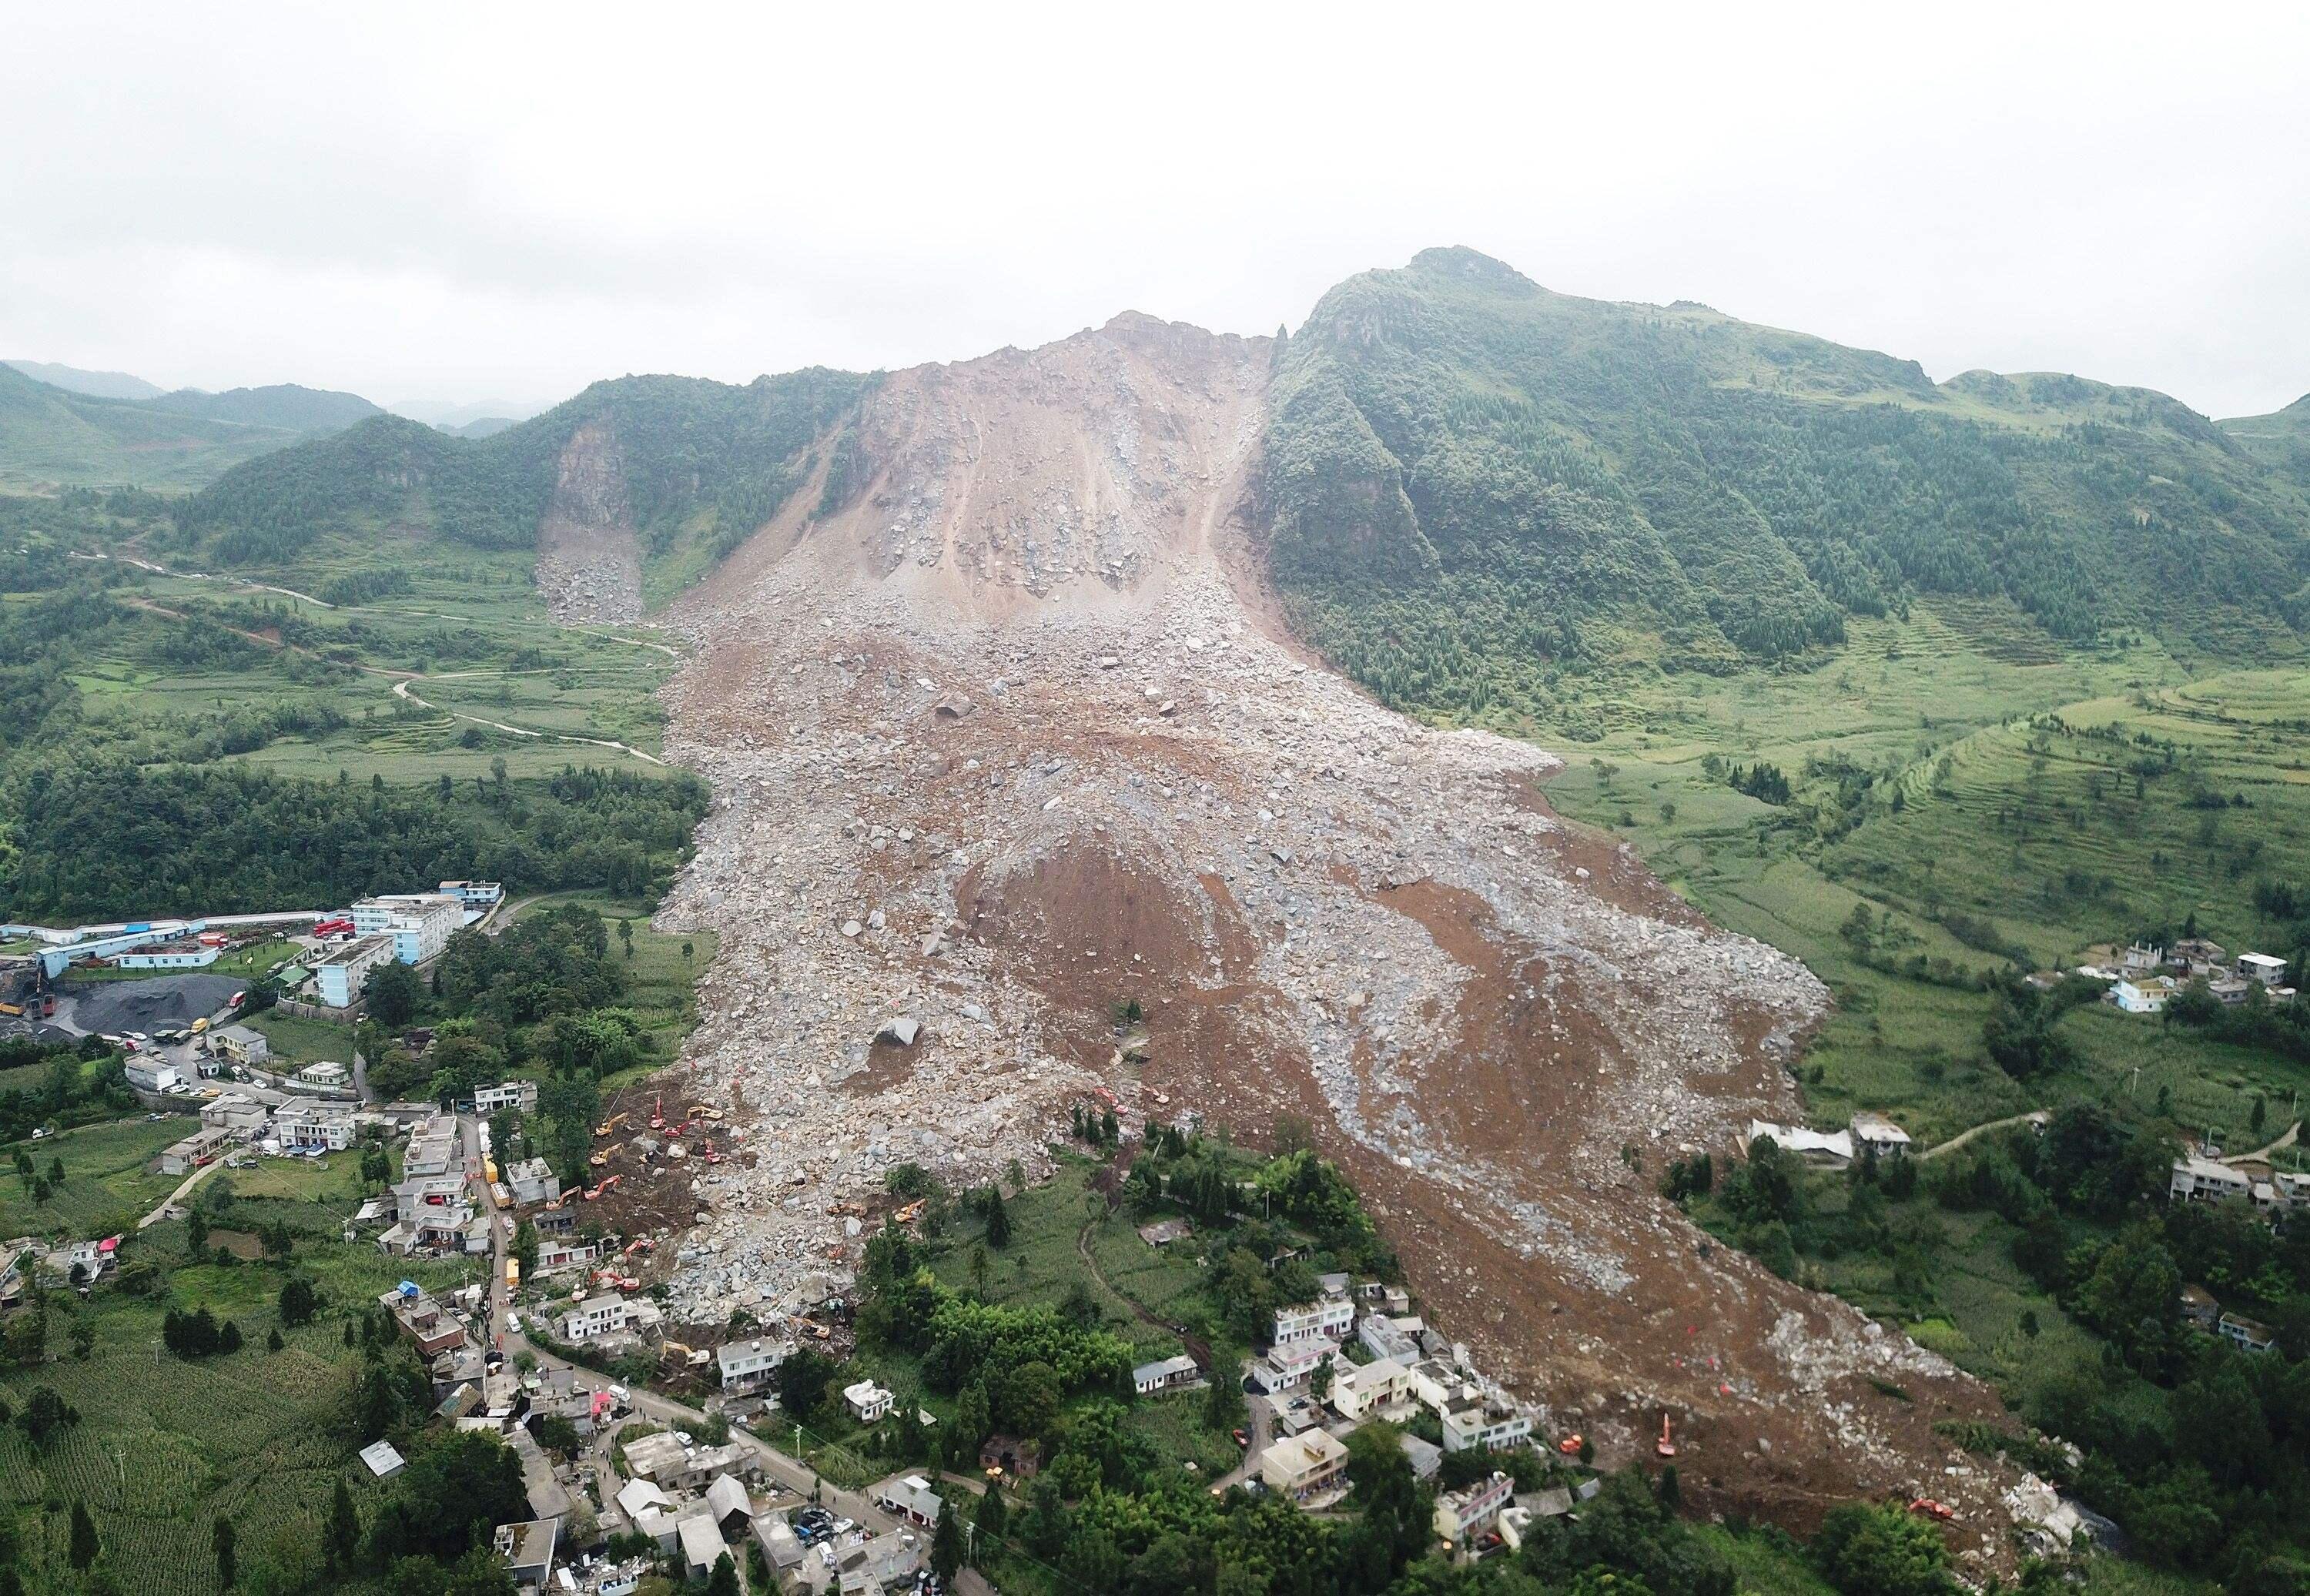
[[284, 406], [1472, 480], [695, 459]]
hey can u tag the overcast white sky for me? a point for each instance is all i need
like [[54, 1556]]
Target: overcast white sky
[[486, 202]]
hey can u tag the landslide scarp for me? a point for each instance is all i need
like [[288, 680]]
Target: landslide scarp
[[1003, 736]]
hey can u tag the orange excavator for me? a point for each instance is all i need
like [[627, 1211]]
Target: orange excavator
[[657, 1113], [1664, 1446]]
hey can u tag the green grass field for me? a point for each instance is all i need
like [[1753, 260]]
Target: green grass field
[[301, 1039], [106, 1186], [1936, 709]]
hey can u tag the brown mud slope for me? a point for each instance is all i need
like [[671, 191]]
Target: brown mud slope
[[1005, 739]]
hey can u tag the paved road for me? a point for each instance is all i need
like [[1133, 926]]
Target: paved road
[[180, 1194], [786, 1469]]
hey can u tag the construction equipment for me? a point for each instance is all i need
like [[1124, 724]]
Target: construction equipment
[[1932, 1509], [657, 1113], [1571, 1444], [908, 1214], [1664, 1446], [593, 1193], [13, 1010], [609, 1125], [598, 1159]]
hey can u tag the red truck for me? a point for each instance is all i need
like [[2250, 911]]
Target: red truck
[[340, 926]]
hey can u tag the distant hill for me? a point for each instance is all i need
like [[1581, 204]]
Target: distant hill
[[486, 427], [283, 405], [48, 436], [1470, 478], [682, 460], [99, 385], [51, 435]]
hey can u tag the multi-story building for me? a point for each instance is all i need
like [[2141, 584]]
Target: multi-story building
[[311, 1127], [340, 974], [1329, 1318], [473, 895], [532, 1180], [746, 1365], [1483, 1423], [601, 1315], [419, 923], [1375, 1390], [1463, 1514], [518, 1095], [2202, 1180], [1304, 1466]]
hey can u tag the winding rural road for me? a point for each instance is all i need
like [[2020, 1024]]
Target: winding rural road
[[2036, 1117]]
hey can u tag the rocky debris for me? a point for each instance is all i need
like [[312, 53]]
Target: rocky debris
[[1318, 907]]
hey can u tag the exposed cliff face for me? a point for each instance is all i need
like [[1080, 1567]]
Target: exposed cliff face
[[1002, 733], [589, 565]]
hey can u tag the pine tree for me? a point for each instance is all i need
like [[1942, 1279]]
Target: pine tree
[[994, 1513], [724, 1580], [228, 1558], [998, 1219], [946, 1546]]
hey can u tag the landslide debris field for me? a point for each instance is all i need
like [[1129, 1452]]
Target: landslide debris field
[[1004, 734]]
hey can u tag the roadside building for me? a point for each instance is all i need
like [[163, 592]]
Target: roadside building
[[146, 1072], [201, 1147], [474, 895], [1289, 1369], [327, 1075], [527, 1550], [746, 1365], [244, 1046], [908, 1497], [782, 1548], [519, 1095], [555, 1254], [313, 1128], [532, 1180], [430, 1327], [340, 974], [601, 1315], [433, 1147], [2265, 968], [236, 1112], [190, 954], [1306, 1466]]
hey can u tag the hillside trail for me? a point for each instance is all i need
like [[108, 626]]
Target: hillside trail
[[1011, 732], [404, 682], [2036, 1117]]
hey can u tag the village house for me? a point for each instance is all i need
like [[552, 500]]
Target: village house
[[2197, 954], [2247, 1335], [419, 923], [1289, 1369], [2197, 1179], [1463, 1514], [702, 1545], [1381, 1388], [2142, 959], [1304, 1467], [527, 1550], [1384, 1337], [2199, 1307], [325, 1076], [1162, 1233], [747, 1365], [433, 1148], [2265, 968], [1427, 1458], [1168, 1373], [869, 1404], [430, 1326], [1328, 1319], [2142, 994], [341, 972], [656, 1463], [1487, 1424], [1874, 1134]]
